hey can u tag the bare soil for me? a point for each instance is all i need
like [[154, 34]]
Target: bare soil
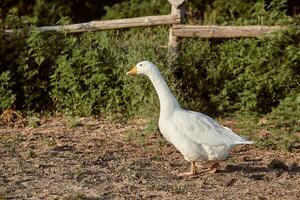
[[104, 159]]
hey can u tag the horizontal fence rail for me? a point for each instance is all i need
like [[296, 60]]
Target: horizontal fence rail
[[222, 31], [112, 24]]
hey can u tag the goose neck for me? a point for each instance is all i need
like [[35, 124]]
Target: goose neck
[[167, 100]]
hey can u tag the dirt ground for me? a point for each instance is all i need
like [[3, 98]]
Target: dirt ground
[[104, 159]]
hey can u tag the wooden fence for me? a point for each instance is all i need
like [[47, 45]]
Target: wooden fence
[[178, 29]]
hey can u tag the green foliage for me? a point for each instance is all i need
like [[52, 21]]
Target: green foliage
[[33, 120], [242, 12], [50, 142], [243, 74], [30, 66], [286, 115], [72, 121], [7, 98], [91, 76], [39, 12], [85, 74], [81, 79], [264, 131], [137, 8], [31, 154], [281, 125], [48, 12]]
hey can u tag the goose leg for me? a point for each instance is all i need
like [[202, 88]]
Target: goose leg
[[192, 172], [212, 167]]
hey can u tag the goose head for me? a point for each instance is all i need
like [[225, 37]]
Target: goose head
[[144, 67]]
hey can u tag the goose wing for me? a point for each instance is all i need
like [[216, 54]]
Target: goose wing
[[204, 130]]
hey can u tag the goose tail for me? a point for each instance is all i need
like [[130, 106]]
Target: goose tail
[[239, 140]]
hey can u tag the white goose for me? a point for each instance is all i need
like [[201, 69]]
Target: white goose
[[198, 137]]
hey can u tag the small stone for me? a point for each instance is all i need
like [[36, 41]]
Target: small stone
[[297, 134], [230, 182], [296, 145], [262, 121], [264, 134], [294, 167], [277, 164], [257, 176]]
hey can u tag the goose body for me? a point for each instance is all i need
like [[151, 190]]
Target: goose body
[[196, 136]]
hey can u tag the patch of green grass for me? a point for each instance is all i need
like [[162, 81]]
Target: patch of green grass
[[141, 175], [3, 196], [156, 158], [88, 126], [136, 136], [31, 153], [179, 188], [160, 142], [141, 139], [50, 142], [278, 137], [101, 142], [151, 127], [33, 121], [10, 143], [76, 196], [72, 120], [231, 161], [130, 135], [79, 171]]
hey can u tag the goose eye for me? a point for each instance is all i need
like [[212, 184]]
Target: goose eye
[[140, 65]]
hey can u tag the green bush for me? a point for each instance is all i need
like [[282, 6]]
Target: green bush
[[210, 76], [277, 129], [286, 115], [241, 74], [85, 74], [137, 8], [7, 98], [48, 12], [91, 76], [243, 12], [259, 72], [29, 65]]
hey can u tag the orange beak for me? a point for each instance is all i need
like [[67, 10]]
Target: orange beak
[[133, 71]]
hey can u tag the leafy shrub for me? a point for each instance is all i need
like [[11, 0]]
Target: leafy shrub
[[85, 74], [48, 12], [286, 114], [241, 74], [39, 12], [258, 14], [79, 82], [34, 65], [240, 12], [91, 77], [137, 8], [28, 57], [7, 98]]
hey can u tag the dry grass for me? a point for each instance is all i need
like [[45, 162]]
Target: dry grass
[[101, 159]]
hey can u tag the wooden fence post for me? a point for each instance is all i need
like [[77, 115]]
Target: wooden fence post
[[178, 9]]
